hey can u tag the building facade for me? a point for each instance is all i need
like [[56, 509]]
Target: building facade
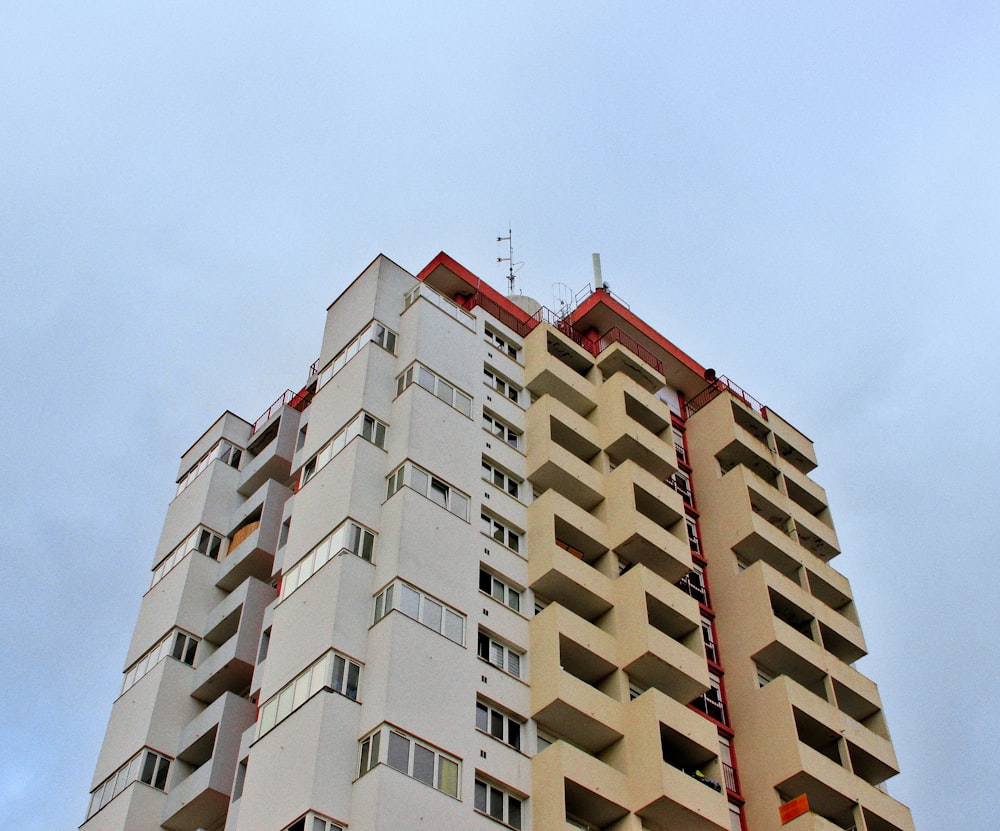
[[491, 564]]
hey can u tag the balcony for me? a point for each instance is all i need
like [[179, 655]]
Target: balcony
[[569, 707], [659, 635], [568, 781], [616, 356], [567, 579], [553, 466], [801, 752], [666, 740], [556, 366], [634, 428], [211, 744], [269, 455]]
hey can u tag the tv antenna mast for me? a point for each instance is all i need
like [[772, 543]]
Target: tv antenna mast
[[512, 267]]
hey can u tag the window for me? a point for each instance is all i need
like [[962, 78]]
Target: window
[[497, 340], [498, 803], [177, 644], [692, 531], [202, 540], [499, 725], [500, 478], [333, 671], [498, 589], [735, 817], [449, 307], [349, 538], [710, 702], [708, 636], [228, 453], [493, 527], [374, 331], [499, 654], [682, 484], [680, 446], [435, 385], [430, 486], [409, 755], [422, 608], [694, 584], [500, 428], [364, 425], [314, 822], [147, 766], [501, 385]]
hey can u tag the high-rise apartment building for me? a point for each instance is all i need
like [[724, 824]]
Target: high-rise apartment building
[[493, 564]]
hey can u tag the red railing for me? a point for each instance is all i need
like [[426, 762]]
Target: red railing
[[507, 318], [718, 386], [616, 335], [296, 400]]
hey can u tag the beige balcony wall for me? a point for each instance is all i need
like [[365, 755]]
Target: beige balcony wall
[[661, 793], [616, 358], [544, 373], [565, 579], [553, 516], [805, 456], [566, 779], [565, 705], [549, 419], [622, 437], [552, 466]]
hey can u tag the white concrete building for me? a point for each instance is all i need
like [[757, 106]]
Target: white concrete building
[[458, 579]]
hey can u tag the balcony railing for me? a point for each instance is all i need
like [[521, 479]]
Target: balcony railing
[[708, 704], [715, 388], [297, 400], [730, 776]]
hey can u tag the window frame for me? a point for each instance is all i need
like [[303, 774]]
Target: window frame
[[499, 531], [441, 388], [370, 333], [498, 584], [497, 381], [491, 472], [350, 536], [362, 424], [373, 751], [498, 724], [425, 483], [492, 647], [502, 343], [177, 640], [508, 433], [488, 793], [395, 597]]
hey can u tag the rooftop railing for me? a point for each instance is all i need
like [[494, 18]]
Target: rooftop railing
[[296, 400], [718, 386]]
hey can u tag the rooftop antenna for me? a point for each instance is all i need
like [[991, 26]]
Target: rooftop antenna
[[512, 267]]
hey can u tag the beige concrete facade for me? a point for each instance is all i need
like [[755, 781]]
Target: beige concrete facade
[[483, 569]]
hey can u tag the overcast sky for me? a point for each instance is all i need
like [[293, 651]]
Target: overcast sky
[[803, 195]]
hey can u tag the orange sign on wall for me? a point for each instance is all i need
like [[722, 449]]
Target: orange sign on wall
[[796, 808]]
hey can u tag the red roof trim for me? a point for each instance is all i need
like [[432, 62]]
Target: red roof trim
[[474, 282], [616, 307]]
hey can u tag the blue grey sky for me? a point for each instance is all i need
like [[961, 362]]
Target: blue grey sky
[[805, 196]]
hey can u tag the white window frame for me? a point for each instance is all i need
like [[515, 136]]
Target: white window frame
[[363, 424], [177, 644], [437, 386], [499, 589], [503, 343], [427, 610], [500, 724], [313, 821], [223, 450], [203, 540], [376, 747], [430, 486], [496, 381], [374, 332], [497, 802], [349, 537], [500, 478], [147, 766], [331, 671], [501, 429], [497, 653], [498, 530]]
